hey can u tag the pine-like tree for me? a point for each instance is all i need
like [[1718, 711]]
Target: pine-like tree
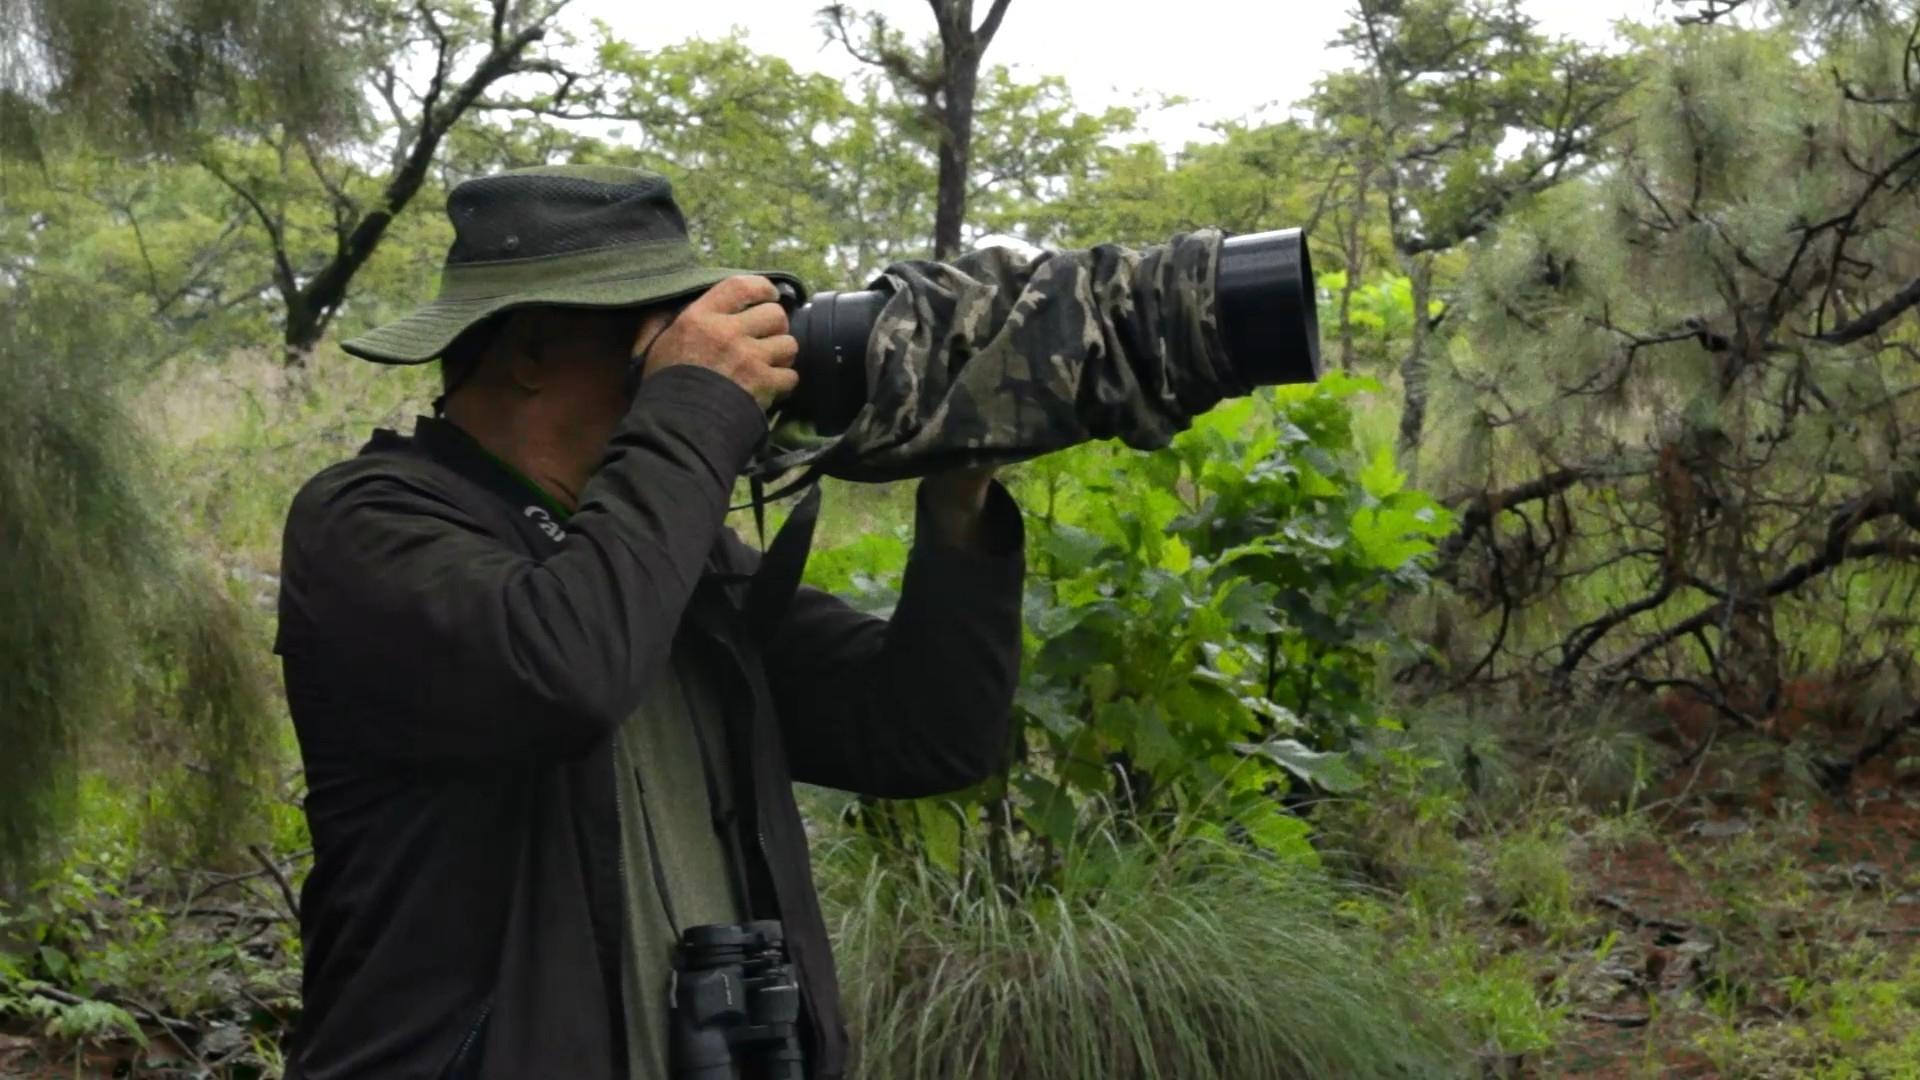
[[1685, 391]]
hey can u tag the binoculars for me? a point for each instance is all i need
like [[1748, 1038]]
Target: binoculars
[[735, 1005]]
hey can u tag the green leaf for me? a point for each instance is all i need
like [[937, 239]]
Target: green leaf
[[1331, 772], [939, 823], [1248, 606], [1050, 705], [56, 963], [1071, 549], [1390, 538], [1276, 831], [1049, 810], [1382, 477]]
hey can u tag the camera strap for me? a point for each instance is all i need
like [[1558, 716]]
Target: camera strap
[[782, 564], [723, 814]]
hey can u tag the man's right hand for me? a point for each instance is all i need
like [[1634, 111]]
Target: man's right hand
[[738, 329]]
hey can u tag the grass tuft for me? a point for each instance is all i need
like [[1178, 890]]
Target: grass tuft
[[1189, 960]]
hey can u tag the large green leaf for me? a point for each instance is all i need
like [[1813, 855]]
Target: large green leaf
[[1328, 771]]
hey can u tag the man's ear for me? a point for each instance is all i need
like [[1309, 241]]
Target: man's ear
[[529, 360]]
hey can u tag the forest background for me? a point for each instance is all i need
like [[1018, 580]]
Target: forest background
[[1535, 695]]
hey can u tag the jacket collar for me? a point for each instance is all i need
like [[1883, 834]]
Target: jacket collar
[[538, 517]]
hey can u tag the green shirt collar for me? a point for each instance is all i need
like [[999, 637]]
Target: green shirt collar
[[541, 495]]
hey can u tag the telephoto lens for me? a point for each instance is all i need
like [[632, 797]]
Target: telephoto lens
[[1269, 313], [1265, 307]]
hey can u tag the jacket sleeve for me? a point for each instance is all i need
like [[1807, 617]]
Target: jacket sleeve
[[917, 704], [471, 650]]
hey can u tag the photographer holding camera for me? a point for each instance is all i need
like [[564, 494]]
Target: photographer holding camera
[[543, 739], [551, 708]]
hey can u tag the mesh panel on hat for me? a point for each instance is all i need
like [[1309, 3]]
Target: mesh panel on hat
[[527, 215]]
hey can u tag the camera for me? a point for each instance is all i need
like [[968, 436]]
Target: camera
[[1265, 307], [735, 1005]]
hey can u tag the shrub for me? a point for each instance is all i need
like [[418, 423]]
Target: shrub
[[115, 639]]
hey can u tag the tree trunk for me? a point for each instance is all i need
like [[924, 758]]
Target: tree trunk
[[1413, 370], [1749, 663], [1350, 243], [956, 153]]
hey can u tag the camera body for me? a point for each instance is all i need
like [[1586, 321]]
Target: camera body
[[735, 1005]]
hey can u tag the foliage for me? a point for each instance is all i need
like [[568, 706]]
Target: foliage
[[1150, 957], [1857, 1021], [1680, 398], [122, 638], [143, 74], [1249, 178], [1205, 626], [101, 946], [1532, 881]]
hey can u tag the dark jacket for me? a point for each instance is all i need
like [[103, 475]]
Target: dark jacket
[[456, 663]]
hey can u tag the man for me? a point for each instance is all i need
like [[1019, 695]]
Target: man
[[542, 735]]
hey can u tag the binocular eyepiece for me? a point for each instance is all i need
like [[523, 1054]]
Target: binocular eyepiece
[[1266, 310]]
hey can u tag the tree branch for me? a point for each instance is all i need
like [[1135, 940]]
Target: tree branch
[[991, 26], [1481, 509], [325, 291], [283, 277], [1873, 320], [1837, 548]]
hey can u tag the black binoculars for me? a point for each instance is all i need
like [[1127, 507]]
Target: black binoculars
[[735, 1005], [1266, 310]]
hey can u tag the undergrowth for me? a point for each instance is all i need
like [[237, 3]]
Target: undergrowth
[[1188, 958]]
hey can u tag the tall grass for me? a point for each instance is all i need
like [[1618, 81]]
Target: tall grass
[[1190, 960]]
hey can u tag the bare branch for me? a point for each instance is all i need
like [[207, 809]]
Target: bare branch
[[1837, 548], [991, 25], [283, 276], [896, 62], [1481, 509], [1873, 320]]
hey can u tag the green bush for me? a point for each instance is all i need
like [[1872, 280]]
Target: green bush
[[1186, 959], [1205, 627]]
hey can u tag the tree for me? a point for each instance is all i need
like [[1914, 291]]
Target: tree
[[1253, 177], [783, 169], [1457, 110], [116, 645], [271, 106], [1682, 413], [945, 76]]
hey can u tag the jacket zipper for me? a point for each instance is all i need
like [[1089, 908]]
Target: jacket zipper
[[466, 1044], [619, 818]]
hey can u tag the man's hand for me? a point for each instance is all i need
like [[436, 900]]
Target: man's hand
[[736, 328], [956, 502]]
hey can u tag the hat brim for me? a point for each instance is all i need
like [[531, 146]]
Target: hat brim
[[427, 332]]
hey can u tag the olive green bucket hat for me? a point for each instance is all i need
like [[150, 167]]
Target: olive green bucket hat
[[591, 236]]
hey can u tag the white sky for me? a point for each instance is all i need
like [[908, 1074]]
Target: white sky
[[1230, 56]]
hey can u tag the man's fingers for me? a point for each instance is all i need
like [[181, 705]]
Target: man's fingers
[[782, 381], [737, 293], [781, 349], [763, 320]]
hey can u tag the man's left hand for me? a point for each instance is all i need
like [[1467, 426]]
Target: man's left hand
[[956, 502]]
